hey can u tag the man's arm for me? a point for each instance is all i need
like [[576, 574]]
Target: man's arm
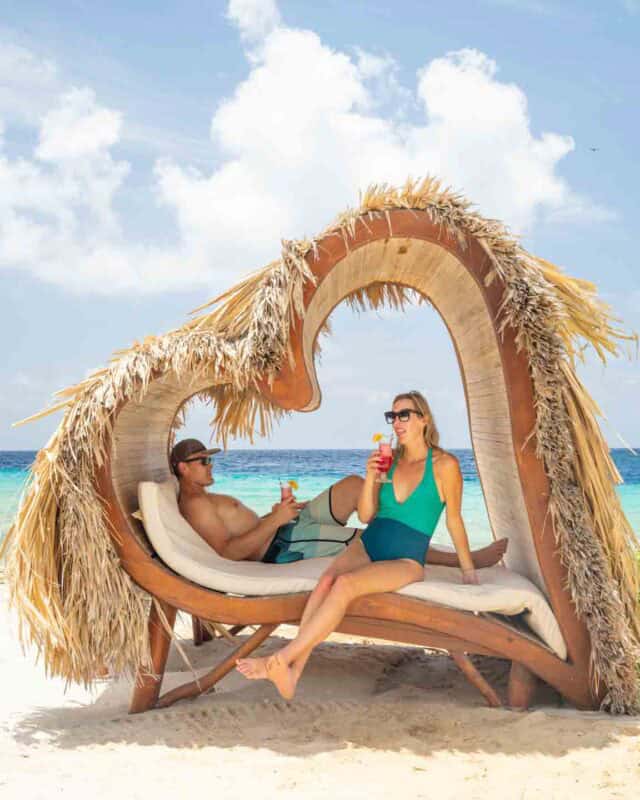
[[231, 529], [250, 543]]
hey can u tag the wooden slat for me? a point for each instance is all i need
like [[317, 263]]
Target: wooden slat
[[469, 670], [207, 681]]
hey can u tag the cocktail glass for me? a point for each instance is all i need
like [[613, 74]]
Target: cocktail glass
[[385, 454], [286, 490]]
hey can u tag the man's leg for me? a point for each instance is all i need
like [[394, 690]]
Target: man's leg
[[344, 497], [484, 557]]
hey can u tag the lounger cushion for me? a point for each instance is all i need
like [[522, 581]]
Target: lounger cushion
[[501, 591]]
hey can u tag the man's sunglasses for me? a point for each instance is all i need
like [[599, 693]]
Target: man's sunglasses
[[402, 415], [204, 460]]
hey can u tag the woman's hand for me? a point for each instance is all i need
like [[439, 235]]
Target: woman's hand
[[368, 499], [373, 464], [470, 576]]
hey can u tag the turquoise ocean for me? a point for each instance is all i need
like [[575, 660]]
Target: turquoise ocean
[[252, 476]]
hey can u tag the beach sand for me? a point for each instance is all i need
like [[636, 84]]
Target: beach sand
[[369, 720]]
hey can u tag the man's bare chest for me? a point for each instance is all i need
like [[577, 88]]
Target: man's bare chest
[[235, 517]]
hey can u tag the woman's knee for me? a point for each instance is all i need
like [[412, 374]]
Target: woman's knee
[[344, 587], [326, 581]]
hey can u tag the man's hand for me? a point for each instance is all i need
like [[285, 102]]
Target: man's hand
[[287, 510]]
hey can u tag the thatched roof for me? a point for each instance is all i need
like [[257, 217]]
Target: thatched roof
[[82, 610]]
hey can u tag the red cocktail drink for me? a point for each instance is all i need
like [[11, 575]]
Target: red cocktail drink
[[385, 459]]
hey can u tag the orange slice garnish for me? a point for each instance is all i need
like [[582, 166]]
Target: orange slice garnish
[[377, 437], [293, 484]]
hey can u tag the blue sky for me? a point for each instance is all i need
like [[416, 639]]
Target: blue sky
[[138, 140]]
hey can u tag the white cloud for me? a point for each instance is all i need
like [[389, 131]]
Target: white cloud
[[28, 84], [57, 207], [478, 137], [301, 137], [77, 128], [307, 129], [254, 18]]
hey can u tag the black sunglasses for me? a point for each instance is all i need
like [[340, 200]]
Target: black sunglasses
[[403, 415], [204, 460]]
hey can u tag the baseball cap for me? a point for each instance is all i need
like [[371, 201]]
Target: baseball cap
[[188, 447]]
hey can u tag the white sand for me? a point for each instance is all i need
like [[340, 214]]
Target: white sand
[[369, 721]]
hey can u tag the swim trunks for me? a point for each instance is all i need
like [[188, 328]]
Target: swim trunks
[[314, 534]]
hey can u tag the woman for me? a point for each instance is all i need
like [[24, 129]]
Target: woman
[[391, 552]]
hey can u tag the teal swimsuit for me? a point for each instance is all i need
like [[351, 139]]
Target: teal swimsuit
[[404, 530]]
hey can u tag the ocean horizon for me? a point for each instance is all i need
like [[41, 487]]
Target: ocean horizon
[[252, 475]]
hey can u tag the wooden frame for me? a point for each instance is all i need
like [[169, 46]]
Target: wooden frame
[[387, 616]]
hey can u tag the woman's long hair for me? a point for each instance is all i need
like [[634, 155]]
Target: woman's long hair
[[430, 432]]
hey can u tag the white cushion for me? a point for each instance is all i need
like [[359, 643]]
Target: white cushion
[[501, 590]]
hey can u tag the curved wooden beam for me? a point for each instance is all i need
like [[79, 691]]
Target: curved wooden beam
[[293, 388], [393, 616]]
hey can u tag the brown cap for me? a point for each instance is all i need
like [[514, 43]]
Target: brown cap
[[183, 450]]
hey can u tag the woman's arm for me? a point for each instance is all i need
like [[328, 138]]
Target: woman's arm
[[452, 487], [368, 500]]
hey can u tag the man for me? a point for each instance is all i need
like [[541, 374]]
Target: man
[[291, 531]]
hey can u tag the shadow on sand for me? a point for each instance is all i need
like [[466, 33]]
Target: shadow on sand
[[353, 695]]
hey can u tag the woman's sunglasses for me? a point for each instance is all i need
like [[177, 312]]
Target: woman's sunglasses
[[204, 460], [402, 415]]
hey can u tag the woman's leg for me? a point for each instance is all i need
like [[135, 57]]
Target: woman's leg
[[382, 576], [357, 557], [352, 557]]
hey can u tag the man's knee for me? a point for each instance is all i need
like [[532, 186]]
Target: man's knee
[[347, 490], [354, 481]]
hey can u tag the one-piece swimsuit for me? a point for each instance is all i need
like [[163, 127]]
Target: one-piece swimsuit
[[404, 530]]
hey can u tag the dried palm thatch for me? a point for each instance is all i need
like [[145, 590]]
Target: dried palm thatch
[[82, 610]]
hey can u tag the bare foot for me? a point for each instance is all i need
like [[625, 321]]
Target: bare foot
[[255, 669], [272, 668], [490, 555], [282, 676]]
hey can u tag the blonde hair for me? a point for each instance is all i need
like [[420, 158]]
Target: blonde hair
[[430, 431]]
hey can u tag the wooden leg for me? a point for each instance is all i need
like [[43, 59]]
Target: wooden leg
[[200, 633], [194, 688], [473, 676], [147, 688], [522, 687]]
